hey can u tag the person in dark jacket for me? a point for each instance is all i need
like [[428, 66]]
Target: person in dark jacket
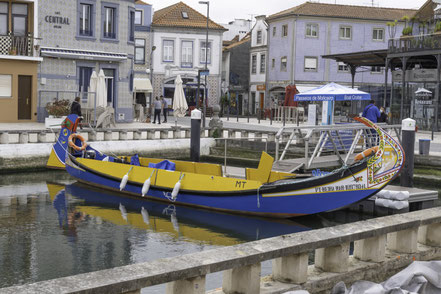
[[383, 116], [75, 108]]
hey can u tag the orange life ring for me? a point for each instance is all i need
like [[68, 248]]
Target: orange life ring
[[71, 142], [366, 153]]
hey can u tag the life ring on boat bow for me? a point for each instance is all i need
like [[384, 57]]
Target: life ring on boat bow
[[71, 142], [366, 153]]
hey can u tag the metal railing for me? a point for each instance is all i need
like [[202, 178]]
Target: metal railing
[[340, 140], [17, 45], [415, 43]]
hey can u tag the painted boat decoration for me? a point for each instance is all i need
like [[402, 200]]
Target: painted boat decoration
[[263, 192]]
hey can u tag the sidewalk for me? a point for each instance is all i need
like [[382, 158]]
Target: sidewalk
[[232, 122]]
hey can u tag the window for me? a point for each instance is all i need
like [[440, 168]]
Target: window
[[254, 64], [376, 69], [131, 25], [312, 30], [139, 51], [203, 52], [4, 18], [274, 31], [19, 19], [310, 63], [345, 32], [168, 50], [187, 54], [273, 63], [184, 14], [85, 20], [6, 86], [342, 67], [262, 63], [378, 35], [138, 17], [283, 63], [259, 37], [84, 74], [109, 21], [284, 30]]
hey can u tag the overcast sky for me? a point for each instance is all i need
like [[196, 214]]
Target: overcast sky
[[223, 11]]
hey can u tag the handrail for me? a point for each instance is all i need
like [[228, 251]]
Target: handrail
[[132, 278]]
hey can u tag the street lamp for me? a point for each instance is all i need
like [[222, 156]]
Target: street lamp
[[151, 80], [206, 64]]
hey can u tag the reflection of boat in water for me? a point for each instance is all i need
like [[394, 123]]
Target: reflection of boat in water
[[192, 224], [264, 192]]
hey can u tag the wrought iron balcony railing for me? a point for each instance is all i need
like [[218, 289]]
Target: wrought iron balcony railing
[[16, 45], [415, 43]]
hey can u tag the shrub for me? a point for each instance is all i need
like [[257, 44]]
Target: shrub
[[438, 26], [58, 108], [407, 31]]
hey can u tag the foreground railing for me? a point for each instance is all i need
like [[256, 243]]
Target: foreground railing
[[17, 45], [382, 246], [415, 43]]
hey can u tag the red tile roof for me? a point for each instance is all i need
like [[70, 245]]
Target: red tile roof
[[344, 11], [171, 16]]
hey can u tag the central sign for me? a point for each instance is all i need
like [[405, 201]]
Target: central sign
[[57, 20]]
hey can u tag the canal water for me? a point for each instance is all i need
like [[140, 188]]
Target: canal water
[[51, 227]]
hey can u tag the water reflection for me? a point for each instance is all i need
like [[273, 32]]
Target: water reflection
[[193, 225]]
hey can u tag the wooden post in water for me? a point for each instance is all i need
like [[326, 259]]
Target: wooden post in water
[[408, 135]]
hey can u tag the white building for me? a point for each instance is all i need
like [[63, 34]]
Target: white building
[[237, 27], [258, 62], [179, 36]]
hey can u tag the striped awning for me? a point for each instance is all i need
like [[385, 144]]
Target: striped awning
[[82, 54]]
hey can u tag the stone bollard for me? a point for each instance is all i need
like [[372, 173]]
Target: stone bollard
[[42, 137], [108, 136], [244, 134], [151, 134], [244, 279], [231, 134], [203, 133], [176, 132], [4, 138], [271, 137], [258, 136], [23, 138], [187, 133], [92, 136], [123, 135], [137, 135], [333, 259], [163, 134]]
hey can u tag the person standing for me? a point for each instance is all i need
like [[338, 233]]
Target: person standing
[[383, 116], [157, 105], [164, 108], [372, 113], [75, 108]]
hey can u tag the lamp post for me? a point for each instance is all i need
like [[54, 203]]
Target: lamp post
[[206, 64], [151, 80]]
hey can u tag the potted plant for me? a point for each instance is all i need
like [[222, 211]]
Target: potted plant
[[57, 111], [13, 51]]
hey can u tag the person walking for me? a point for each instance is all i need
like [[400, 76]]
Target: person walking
[[157, 105], [164, 108]]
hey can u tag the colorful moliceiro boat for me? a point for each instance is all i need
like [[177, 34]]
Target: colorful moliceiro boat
[[263, 192]]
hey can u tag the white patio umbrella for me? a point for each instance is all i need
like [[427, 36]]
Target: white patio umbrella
[[101, 96], [92, 89], [180, 105]]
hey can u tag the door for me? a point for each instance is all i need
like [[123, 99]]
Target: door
[[262, 100], [24, 97], [110, 83]]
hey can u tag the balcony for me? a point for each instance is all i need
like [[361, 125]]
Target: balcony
[[415, 43], [17, 45]]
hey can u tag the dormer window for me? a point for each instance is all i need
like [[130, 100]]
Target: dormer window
[[184, 14]]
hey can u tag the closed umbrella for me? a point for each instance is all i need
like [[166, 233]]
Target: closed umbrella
[[92, 89], [101, 90], [180, 105]]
